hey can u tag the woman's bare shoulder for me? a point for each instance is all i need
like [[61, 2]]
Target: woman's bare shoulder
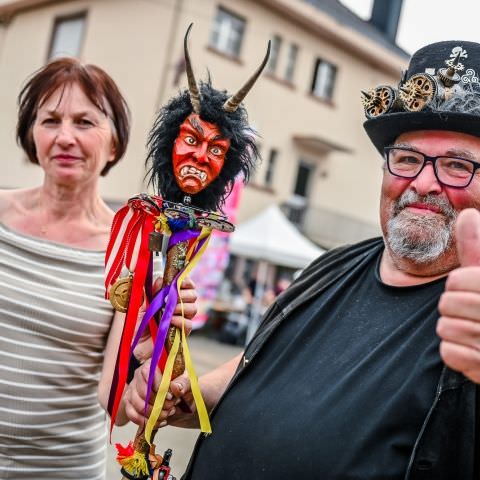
[[11, 200], [6, 199]]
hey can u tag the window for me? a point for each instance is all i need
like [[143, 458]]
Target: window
[[274, 53], [67, 36], [272, 159], [227, 33], [304, 174], [324, 79], [291, 61]]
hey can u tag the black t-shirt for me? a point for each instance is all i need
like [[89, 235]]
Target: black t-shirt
[[339, 392]]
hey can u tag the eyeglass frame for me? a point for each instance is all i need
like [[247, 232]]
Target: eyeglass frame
[[426, 158]]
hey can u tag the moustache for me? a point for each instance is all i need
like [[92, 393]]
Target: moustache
[[409, 197]]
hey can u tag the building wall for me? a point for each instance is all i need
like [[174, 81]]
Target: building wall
[[140, 43], [113, 41]]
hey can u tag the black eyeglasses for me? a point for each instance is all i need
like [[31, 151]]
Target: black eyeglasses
[[450, 171]]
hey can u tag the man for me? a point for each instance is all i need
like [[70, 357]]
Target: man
[[365, 368]]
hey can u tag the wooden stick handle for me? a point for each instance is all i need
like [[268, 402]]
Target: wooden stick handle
[[175, 262]]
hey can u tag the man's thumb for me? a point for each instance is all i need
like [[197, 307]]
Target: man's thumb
[[180, 385], [467, 235]]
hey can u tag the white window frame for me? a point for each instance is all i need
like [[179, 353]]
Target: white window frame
[[324, 79], [79, 22], [227, 32], [272, 164], [274, 54], [292, 56]]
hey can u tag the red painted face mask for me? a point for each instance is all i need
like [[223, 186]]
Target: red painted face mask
[[198, 154]]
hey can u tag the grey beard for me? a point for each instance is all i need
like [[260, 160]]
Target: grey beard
[[421, 238]]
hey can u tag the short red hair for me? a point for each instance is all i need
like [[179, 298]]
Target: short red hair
[[97, 85]]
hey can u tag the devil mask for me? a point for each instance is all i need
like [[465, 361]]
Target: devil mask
[[201, 141]]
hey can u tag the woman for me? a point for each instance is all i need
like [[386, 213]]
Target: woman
[[55, 323]]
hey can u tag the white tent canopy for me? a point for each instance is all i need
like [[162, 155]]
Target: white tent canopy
[[271, 237]]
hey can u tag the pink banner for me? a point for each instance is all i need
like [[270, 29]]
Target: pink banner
[[208, 274]]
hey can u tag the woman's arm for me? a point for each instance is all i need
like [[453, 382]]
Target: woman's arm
[[109, 360], [144, 349]]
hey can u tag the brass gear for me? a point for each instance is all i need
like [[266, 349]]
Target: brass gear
[[448, 76], [418, 91], [378, 101]]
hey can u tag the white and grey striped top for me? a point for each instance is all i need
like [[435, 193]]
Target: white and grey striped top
[[54, 323]]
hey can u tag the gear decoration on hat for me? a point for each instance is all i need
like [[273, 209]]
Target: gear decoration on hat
[[378, 101], [440, 91], [449, 76], [418, 91]]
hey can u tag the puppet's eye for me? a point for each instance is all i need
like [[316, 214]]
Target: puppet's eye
[[190, 140], [216, 150]]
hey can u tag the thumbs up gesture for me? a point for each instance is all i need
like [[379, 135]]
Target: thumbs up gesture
[[459, 306]]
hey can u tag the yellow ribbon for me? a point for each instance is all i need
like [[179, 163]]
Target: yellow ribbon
[[205, 426], [163, 389]]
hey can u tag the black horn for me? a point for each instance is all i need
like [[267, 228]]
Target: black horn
[[234, 101], [192, 84]]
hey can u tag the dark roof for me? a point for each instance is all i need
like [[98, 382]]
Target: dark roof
[[346, 17]]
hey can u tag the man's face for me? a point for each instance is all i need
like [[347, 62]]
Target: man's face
[[418, 215], [198, 154]]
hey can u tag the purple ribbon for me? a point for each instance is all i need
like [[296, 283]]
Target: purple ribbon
[[168, 295], [182, 236], [171, 303]]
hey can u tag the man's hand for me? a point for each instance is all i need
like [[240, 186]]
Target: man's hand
[[459, 306], [212, 385], [179, 388]]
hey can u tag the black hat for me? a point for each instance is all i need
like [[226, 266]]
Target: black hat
[[435, 93]]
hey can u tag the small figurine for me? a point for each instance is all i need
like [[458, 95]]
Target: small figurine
[[200, 142]]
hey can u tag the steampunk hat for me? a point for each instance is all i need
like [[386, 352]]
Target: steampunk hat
[[439, 91]]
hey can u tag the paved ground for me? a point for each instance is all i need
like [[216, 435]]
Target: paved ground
[[207, 354]]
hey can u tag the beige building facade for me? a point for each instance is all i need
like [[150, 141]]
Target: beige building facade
[[317, 161]]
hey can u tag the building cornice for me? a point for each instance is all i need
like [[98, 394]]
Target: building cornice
[[324, 26], [9, 8], [303, 14]]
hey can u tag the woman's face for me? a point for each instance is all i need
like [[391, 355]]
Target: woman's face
[[73, 138]]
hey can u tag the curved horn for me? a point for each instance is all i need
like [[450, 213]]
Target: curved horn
[[192, 84], [234, 101]]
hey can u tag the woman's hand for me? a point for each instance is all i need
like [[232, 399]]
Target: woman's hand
[[189, 297], [137, 392]]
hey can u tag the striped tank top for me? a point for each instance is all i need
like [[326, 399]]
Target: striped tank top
[[54, 323]]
